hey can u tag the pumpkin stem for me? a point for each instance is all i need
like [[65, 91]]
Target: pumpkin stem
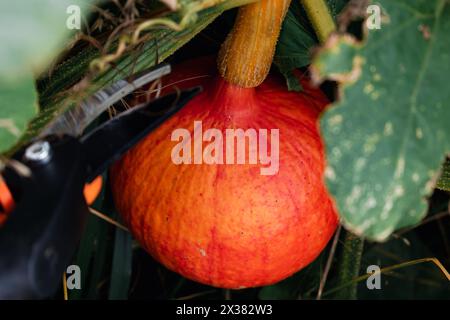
[[247, 53]]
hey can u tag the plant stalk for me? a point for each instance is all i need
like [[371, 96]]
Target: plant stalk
[[349, 266], [320, 17], [444, 181]]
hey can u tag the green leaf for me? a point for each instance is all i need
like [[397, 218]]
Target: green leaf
[[31, 33], [18, 104], [296, 41], [92, 258], [293, 48], [93, 251], [121, 265], [388, 135]]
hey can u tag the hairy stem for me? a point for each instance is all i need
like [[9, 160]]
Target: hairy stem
[[247, 53], [320, 17], [444, 181], [349, 265]]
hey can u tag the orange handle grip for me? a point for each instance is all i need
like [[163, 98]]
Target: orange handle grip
[[6, 201], [92, 190], [7, 204]]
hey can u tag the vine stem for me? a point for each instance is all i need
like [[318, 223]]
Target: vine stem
[[320, 17], [349, 266], [444, 180]]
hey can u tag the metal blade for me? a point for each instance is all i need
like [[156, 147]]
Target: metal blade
[[110, 141], [74, 121]]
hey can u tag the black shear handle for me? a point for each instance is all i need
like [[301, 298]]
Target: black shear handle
[[40, 236], [50, 206]]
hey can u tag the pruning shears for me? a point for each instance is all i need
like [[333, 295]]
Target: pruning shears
[[43, 207]]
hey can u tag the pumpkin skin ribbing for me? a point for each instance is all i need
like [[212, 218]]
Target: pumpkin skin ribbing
[[227, 225]]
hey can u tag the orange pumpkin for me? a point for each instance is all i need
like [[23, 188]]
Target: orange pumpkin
[[227, 225]]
